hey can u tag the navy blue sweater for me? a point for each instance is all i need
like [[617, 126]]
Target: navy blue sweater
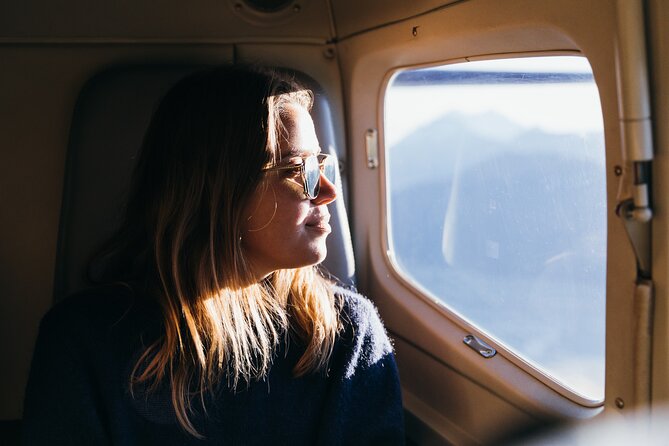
[[78, 390]]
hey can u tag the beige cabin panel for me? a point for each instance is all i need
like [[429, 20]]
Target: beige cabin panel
[[352, 17], [171, 21], [490, 421]]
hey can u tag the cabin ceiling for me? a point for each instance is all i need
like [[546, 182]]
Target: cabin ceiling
[[171, 20]]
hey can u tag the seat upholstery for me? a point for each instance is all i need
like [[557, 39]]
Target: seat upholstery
[[111, 115]]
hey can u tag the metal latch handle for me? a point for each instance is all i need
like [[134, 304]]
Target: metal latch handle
[[479, 346]]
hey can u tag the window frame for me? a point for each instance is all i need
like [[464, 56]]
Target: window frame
[[428, 297]]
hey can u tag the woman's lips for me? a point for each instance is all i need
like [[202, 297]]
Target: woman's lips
[[322, 226], [320, 223]]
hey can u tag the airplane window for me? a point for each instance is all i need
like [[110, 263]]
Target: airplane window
[[496, 198]]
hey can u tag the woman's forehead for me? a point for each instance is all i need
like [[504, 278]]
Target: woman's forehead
[[301, 139]]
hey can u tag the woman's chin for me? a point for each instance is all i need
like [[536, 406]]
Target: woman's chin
[[314, 256]]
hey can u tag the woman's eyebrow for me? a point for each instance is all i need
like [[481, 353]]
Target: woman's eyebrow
[[287, 157], [316, 151], [295, 152]]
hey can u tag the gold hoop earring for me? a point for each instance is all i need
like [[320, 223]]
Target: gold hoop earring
[[270, 219]]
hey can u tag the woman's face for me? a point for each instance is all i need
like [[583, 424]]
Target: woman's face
[[282, 228]]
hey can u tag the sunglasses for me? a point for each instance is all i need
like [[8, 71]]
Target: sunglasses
[[310, 169]]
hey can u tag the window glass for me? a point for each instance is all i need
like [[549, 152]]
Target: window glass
[[496, 197]]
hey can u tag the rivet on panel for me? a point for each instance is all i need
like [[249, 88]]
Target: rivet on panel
[[618, 170], [620, 403], [414, 31]]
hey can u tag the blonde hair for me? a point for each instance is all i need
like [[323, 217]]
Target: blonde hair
[[201, 160]]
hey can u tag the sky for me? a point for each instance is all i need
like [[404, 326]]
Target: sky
[[554, 108]]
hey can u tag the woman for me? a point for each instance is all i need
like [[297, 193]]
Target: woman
[[217, 326]]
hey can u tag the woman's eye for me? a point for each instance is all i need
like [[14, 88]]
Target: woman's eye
[[292, 169], [294, 163]]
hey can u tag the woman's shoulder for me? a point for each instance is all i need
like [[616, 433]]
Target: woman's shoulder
[[92, 302], [363, 331], [93, 310], [357, 309]]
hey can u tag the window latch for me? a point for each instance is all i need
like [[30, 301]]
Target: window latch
[[479, 346], [372, 146]]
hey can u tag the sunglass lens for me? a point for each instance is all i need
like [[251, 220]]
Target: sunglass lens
[[312, 177], [330, 169]]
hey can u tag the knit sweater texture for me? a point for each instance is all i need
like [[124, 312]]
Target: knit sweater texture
[[78, 391]]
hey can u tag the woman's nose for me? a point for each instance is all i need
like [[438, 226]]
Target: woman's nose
[[327, 193]]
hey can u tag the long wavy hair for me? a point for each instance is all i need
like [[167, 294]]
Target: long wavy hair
[[201, 161]]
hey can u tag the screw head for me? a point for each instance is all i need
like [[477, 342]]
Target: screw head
[[618, 170], [620, 403]]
